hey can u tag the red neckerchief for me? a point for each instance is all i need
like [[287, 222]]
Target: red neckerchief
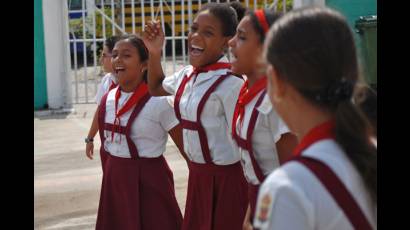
[[320, 132], [214, 66], [112, 86], [245, 96], [136, 96]]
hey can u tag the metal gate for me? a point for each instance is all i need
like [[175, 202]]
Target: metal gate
[[92, 21]]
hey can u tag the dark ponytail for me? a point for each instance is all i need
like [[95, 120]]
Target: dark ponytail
[[313, 50], [352, 133], [366, 99]]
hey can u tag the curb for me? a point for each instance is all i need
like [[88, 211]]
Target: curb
[[51, 112]]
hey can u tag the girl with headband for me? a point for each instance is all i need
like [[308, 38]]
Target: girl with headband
[[263, 139]]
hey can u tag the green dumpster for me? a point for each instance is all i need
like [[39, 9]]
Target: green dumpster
[[366, 27]]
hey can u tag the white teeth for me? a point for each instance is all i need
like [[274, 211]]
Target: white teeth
[[197, 47]]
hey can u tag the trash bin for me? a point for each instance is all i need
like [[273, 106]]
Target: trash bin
[[366, 27]]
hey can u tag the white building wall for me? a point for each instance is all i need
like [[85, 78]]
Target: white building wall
[[55, 18], [301, 3]]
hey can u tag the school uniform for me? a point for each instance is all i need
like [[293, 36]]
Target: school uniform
[[204, 105], [256, 129], [137, 189], [319, 189], [108, 82]]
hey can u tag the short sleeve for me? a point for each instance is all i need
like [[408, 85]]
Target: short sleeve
[[281, 205], [167, 116], [272, 121], [102, 89], [170, 83], [276, 125]]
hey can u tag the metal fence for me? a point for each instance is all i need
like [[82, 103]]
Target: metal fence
[[92, 21]]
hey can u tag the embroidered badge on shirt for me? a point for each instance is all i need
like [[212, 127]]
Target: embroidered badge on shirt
[[263, 211], [264, 208]]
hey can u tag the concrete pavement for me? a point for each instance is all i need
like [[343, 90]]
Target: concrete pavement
[[66, 183]]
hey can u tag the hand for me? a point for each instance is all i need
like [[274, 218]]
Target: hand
[[247, 226], [153, 37], [89, 150]]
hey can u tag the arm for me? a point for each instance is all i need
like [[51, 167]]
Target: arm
[[247, 222], [154, 39], [89, 149], [285, 146], [176, 135]]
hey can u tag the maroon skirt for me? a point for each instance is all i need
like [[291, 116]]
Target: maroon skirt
[[137, 194], [103, 157], [217, 197], [253, 196]]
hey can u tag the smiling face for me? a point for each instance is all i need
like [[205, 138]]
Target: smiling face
[[206, 41], [246, 48], [126, 62]]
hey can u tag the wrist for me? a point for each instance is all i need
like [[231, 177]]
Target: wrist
[[155, 54], [89, 140]]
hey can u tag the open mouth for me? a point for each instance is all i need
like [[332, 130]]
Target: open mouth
[[119, 70], [233, 57], [196, 50]]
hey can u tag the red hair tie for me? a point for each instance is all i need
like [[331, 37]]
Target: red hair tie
[[260, 15]]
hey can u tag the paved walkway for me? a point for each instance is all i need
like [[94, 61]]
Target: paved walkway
[[66, 183]]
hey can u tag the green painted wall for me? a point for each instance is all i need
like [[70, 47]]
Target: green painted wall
[[40, 82], [352, 10]]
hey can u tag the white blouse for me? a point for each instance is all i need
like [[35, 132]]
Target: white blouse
[[105, 86], [149, 130], [216, 117], [293, 197], [268, 130]]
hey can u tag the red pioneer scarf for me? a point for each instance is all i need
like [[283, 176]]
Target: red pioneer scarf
[[136, 96], [245, 96]]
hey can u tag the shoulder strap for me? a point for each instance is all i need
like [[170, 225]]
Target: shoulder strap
[[338, 191], [249, 134], [137, 109]]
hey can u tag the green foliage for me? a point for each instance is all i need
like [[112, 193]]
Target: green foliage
[[99, 23], [76, 25], [289, 4]]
